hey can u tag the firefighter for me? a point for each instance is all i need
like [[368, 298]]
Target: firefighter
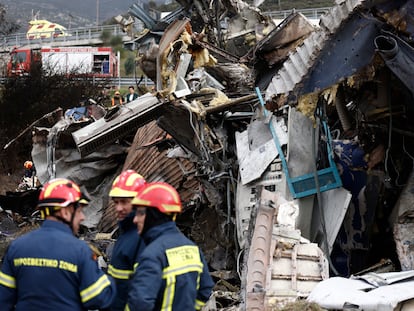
[[129, 244], [29, 180], [49, 268], [172, 273]]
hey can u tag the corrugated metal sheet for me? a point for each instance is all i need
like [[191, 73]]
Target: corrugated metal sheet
[[154, 165], [304, 56]]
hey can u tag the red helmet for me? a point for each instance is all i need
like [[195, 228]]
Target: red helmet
[[28, 165], [58, 193], [161, 196], [127, 185]]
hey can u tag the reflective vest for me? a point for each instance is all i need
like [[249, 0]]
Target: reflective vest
[[172, 274], [116, 101]]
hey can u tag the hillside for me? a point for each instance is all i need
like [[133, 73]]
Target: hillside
[[79, 13], [74, 13]]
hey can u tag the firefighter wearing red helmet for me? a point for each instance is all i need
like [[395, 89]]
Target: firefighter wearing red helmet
[[172, 273], [49, 268], [128, 244]]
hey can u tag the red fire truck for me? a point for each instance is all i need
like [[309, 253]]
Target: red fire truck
[[93, 61]]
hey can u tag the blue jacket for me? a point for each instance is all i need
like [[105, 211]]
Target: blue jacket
[[172, 273], [50, 269], [124, 256]]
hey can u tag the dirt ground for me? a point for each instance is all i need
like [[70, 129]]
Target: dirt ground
[[9, 182]]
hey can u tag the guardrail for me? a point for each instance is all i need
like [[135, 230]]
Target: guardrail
[[309, 13], [116, 82], [93, 35], [86, 35]]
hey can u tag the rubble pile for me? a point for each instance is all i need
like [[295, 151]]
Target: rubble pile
[[290, 145]]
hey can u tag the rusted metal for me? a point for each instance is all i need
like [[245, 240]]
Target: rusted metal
[[154, 165], [259, 256]]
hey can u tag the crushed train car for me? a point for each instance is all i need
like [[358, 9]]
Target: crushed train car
[[291, 145]]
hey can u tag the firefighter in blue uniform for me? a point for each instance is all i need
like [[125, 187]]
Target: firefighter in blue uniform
[[49, 268], [172, 273], [129, 244]]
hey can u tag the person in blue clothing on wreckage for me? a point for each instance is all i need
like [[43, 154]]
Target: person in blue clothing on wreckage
[[129, 244], [172, 273], [50, 268]]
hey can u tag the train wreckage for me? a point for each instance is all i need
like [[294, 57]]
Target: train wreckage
[[291, 146]]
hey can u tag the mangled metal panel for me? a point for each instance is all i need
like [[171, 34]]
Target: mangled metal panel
[[246, 197], [303, 58], [281, 266], [118, 122], [297, 265], [370, 292], [173, 31], [282, 39], [151, 155], [333, 208], [349, 50], [258, 256], [254, 160], [55, 155], [148, 156], [244, 28]]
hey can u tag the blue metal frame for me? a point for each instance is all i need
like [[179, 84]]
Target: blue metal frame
[[305, 185]]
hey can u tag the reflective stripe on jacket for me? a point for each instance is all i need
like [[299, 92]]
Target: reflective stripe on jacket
[[50, 269], [123, 260], [172, 273]]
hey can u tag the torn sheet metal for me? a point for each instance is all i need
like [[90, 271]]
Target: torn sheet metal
[[335, 204], [57, 156], [348, 51], [147, 155], [289, 266], [360, 293], [244, 29], [246, 197], [253, 162], [117, 123], [300, 144], [276, 46], [304, 57], [171, 34]]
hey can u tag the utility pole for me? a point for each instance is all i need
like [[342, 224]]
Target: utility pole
[[97, 12]]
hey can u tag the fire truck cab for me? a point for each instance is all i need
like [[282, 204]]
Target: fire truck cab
[[92, 61], [21, 61]]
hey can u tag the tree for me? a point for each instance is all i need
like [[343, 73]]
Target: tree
[[25, 99], [129, 65], [6, 25]]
